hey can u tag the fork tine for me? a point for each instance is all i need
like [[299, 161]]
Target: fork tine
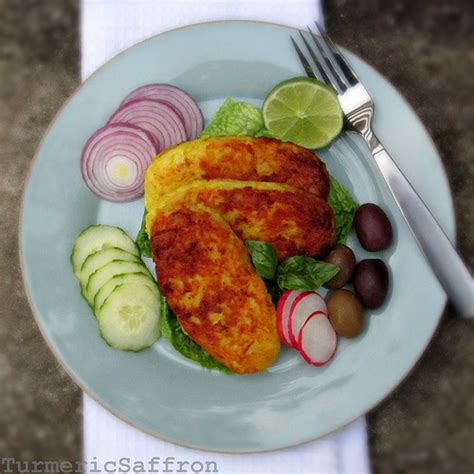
[[331, 64], [307, 67], [322, 73], [346, 68]]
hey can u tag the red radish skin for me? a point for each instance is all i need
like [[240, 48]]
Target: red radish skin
[[281, 304], [317, 340], [293, 341], [297, 346], [307, 303], [115, 147], [185, 106], [283, 312], [155, 117]]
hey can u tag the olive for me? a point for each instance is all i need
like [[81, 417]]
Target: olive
[[345, 313], [343, 257], [372, 227], [371, 282]]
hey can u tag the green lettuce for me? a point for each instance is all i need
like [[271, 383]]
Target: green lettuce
[[344, 208], [174, 333], [236, 118], [142, 240]]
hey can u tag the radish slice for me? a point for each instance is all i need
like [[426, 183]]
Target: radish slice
[[176, 98], [114, 161], [298, 323], [283, 313], [317, 340], [155, 117], [307, 303]]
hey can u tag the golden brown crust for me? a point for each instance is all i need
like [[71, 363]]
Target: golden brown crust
[[294, 221], [204, 198], [205, 273], [241, 158]]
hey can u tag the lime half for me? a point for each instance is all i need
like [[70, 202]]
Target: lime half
[[303, 111]]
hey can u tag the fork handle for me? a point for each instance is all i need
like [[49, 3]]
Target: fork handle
[[439, 251]]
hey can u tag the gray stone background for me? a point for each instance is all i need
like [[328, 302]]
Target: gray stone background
[[426, 48]]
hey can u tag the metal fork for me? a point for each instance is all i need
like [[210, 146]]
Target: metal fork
[[324, 61]]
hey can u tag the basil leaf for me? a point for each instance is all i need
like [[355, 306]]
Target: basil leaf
[[344, 208], [264, 257], [142, 240], [172, 331], [304, 273]]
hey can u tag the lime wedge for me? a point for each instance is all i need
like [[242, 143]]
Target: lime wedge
[[303, 111]]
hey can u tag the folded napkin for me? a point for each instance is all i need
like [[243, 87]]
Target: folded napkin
[[108, 27]]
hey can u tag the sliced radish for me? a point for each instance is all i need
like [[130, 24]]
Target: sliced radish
[[155, 117], [114, 161], [176, 98], [307, 303], [283, 313], [317, 340]]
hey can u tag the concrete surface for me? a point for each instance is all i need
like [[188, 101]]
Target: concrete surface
[[424, 48], [40, 411]]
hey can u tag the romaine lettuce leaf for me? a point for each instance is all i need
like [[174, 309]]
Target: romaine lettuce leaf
[[174, 333], [344, 208], [236, 118], [142, 240]]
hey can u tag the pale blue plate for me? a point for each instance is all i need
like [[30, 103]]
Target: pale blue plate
[[159, 391]]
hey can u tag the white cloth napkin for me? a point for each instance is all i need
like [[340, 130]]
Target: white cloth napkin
[[108, 27]]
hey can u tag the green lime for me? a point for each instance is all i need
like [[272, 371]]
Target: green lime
[[303, 111]]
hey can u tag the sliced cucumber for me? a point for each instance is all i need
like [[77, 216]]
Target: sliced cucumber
[[98, 237], [108, 271], [100, 258], [129, 319], [118, 280]]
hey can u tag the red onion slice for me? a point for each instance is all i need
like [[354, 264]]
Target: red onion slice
[[164, 102], [179, 100], [114, 161], [155, 117]]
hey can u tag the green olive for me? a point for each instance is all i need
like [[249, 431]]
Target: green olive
[[345, 313], [343, 257]]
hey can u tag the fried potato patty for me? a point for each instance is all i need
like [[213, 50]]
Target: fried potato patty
[[294, 221], [205, 273], [242, 158]]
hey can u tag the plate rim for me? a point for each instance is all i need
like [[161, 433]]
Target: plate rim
[[82, 384]]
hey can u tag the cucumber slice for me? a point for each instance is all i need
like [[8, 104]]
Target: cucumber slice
[[129, 319], [118, 280], [98, 237], [108, 271], [100, 258]]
